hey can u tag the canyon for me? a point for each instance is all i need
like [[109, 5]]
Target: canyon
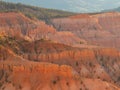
[[79, 52], [17, 73], [100, 29]]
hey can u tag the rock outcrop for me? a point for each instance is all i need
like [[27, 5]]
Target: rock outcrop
[[17, 25], [97, 29], [89, 63], [45, 76], [33, 55]]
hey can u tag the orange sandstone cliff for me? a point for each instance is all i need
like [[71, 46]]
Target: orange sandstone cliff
[[97, 29], [34, 55]]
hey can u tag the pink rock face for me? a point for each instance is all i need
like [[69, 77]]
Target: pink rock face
[[16, 24], [32, 59], [88, 63], [100, 29], [46, 76]]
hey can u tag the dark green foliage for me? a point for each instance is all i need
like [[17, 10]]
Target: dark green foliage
[[112, 10], [118, 79], [117, 9], [13, 44], [33, 12]]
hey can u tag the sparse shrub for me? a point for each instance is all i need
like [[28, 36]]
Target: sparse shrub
[[77, 64], [67, 83], [1, 84], [90, 64], [33, 12], [98, 77], [81, 42], [118, 79], [1, 74], [80, 88], [54, 81], [81, 82], [20, 87]]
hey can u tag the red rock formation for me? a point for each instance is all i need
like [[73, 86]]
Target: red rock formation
[[73, 68], [99, 29], [5, 53], [46, 76], [16, 24], [90, 63]]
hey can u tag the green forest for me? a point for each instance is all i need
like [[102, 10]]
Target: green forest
[[32, 11]]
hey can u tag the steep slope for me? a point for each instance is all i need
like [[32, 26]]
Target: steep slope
[[97, 29], [45, 76], [17, 73], [33, 12], [19, 26], [70, 5], [112, 10], [89, 63], [33, 55], [5, 54]]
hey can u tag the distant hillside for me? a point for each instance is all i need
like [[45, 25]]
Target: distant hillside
[[31, 11], [80, 6], [116, 9]]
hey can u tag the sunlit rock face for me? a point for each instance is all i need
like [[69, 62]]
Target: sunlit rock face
[[45, 76], [99, 29], [33, 55], [19, 26], [88, 63]]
